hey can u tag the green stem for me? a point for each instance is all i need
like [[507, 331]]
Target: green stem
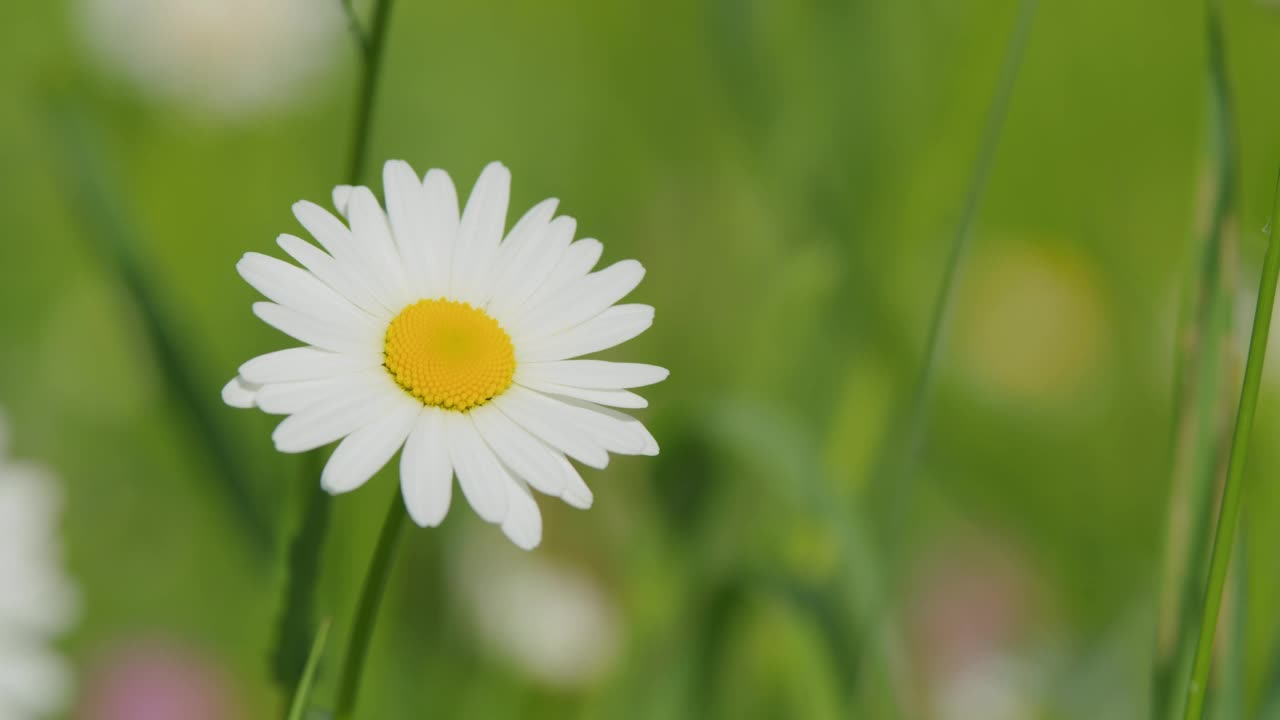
[[304, 553], [353, 24], [1229, 512], [375, 584], [371, 67]]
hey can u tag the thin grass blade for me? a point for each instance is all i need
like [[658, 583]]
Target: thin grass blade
[[302, 698]]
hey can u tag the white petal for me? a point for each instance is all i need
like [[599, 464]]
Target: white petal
[[522, 246], [599, 374], [341, 198], [481, 230], [524, 454], [328, 230], [614, 431], [288, 398], [338, 240], [553, 422], [407, 212], [426, 475], [338, 338], [612, 398], [297, 289], [305, 363], [481, 477], [333, 418], [239, 394], [612, 327], [520, 280], [573, 265], [442, 231], [363, 453], [343, 279], [576, 492], [373, 241], [523, 524], [580, 302]]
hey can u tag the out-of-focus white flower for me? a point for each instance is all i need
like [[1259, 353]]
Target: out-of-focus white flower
[[431, 328], [551, 619], [997, 688], [37, 601], [225, 57]]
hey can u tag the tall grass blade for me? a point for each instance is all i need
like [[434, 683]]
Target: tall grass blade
[[1229, 510], [1201, 411]]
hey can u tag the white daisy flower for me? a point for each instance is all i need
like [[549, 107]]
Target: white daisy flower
[[424, 328], [37, 600], [549, 618], [230, 58]]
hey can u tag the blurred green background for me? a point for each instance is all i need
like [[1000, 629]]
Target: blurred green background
[[790, 173]]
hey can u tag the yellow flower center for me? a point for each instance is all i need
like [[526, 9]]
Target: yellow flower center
[[449, 354]]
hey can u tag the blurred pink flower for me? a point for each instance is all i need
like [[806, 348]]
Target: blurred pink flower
[[157, 681], [971, 602]]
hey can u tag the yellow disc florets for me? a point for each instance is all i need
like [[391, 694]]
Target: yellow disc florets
[[449, 354]]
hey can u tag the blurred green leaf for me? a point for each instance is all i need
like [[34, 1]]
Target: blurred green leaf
[[92, 191], [295, 625]]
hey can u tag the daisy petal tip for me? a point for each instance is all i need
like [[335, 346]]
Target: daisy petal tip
[[285, 446], [342, 198], [496, 166], [392, 167], [239, 394], [330, 484], [524, 538], [579, 500], [426, 517], [435, 176]]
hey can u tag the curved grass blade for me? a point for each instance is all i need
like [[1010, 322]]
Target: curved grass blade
[[892, 476], [788, 461], [302, 698]]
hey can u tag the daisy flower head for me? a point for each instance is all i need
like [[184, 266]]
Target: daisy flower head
[[435, 330], [37, 600]]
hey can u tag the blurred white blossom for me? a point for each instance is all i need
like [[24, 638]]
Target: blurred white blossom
[[226, 58], [551, 619], [37, 600], [997, 688]]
